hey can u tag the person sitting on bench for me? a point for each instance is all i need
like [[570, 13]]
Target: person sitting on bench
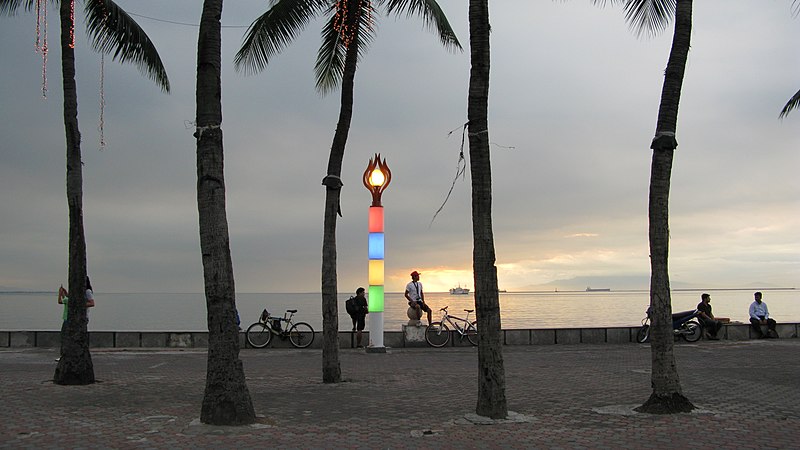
[[711, 325], [759, 315]]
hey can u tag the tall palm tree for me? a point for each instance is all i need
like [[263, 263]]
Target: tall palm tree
[[491, 370], [346, 35], [226, 400], [652, 16], [112, 30]]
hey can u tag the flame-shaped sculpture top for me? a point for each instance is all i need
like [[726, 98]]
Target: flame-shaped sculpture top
[[377, 177]]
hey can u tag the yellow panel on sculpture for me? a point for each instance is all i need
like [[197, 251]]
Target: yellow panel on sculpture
[[375, 272]]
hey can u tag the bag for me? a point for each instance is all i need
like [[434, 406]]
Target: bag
[[351, 307], [772, 334]]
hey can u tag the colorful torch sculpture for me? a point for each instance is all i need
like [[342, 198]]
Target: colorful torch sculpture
[[376, 179]]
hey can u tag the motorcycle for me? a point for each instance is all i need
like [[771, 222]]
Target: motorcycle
[[683, 326]]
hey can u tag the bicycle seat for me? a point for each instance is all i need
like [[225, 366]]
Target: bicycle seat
[[291, 311], [469, 310]]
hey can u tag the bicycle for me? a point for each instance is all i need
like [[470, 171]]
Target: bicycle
[[438, 334], [259, 334]]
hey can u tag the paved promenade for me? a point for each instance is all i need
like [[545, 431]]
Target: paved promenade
[[567, 396]]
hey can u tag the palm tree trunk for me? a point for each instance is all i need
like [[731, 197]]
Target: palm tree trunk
[[75, 365], [331, 368], [667, 397], [226, 400], [491, 372]]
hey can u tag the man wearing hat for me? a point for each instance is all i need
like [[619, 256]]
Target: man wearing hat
[[416, 297]]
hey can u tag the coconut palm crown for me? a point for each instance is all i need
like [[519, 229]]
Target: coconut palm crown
[[270, 33], [113, 32]]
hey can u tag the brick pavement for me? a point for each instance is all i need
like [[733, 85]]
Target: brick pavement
[[568, 396]]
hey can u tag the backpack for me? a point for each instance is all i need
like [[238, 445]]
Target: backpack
[[351, 307]]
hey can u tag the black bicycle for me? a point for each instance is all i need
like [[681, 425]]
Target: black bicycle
[[259, 334]]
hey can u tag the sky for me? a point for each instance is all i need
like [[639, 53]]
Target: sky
[[572, 109]]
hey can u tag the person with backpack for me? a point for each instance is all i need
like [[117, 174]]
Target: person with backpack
[[357, 309]]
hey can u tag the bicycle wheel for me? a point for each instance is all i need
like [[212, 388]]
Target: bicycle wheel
[[258, 335], [472, 333], [437, 334], [301, 335], [695, 331], [643, 335]]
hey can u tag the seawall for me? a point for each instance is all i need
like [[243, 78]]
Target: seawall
[[409, 336]]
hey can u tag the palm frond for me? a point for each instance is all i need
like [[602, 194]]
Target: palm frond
[[115, 33], [432, 16], [649, 16], [602, 3], [329, 67], [367, 27], [11, 7], [793, 103], [271, 32]]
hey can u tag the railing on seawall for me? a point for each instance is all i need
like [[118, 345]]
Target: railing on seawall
[[408, 337]]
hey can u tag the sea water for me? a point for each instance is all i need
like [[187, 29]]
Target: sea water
[[187, 312]]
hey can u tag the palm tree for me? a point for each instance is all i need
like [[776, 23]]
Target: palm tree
[[346, 35], [226, 400], [653, 16], [112, 30], [491, 370]]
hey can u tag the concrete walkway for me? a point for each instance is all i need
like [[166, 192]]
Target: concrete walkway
[[567, 396]]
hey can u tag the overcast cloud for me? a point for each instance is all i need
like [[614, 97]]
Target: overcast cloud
[[573, 103]]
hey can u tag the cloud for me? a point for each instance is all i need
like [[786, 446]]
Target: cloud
[[573, 91]]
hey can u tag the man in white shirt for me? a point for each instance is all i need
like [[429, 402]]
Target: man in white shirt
[[416, 296], [759, 315]]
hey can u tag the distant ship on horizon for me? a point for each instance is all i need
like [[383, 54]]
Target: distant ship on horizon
[[459, 290], [590, 289]]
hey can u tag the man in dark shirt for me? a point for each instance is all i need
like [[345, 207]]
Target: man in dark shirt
[[359, 318], [711, 325]]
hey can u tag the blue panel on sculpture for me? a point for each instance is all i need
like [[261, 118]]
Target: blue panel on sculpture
[[376, 246]]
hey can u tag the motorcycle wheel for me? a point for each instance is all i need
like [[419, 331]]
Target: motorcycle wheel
[[693, 331], [643, 335]]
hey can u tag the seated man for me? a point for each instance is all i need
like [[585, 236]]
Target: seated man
[[710, 324], [759, 315], [416, 296]]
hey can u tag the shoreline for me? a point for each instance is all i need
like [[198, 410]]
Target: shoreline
[[536, 291]]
